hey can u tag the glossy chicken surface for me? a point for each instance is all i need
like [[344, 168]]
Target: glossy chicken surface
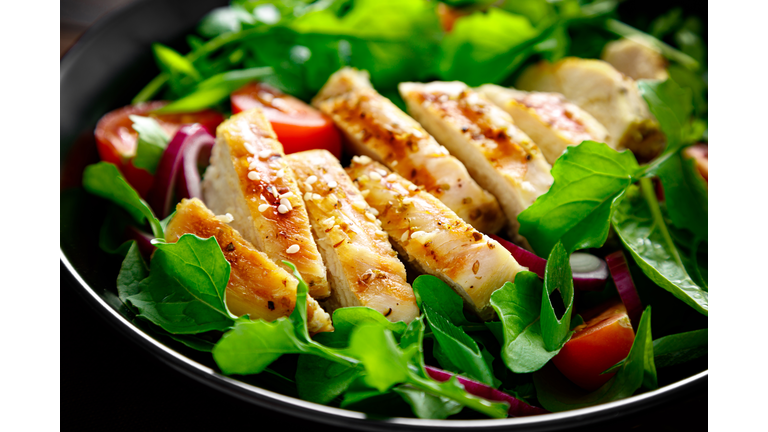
[[362, 266], [257, 286], [377, 128], [433, 238], [250, 179]]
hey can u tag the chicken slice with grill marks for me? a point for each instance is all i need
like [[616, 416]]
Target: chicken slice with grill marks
[[256, 286], [363, 269], [377, 128], [250, 179], [433, 238], [549, 119], [501, 157]]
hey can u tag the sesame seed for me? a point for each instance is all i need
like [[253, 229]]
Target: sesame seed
[[316, 197], [359, 205], [391, 177], [311, 179], [382, 172], [375, 176], [292, 249], [332, 184], [265, 154], [308, 196], [412, 188], [253, 175], [407, 200], [287, 195], [363, 159], [263, 208], [394, 163], [249, 148], [417, 234], [249, 159], [373, 211], [308, 185], [282, 209], [365, 193], [370, 217], [405, 236], [226, 218], [280, 173], [285, 202], [254, 164]]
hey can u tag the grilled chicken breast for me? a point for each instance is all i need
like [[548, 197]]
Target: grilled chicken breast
[[635, 59], [375, 127], [611, 97], [433, 238], [501, 157], [257, 286], [250, 179], [362, 266], [548, 118]]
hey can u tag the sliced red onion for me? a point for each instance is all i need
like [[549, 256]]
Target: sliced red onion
[[143, 240], [161, 196], [617, 265], [525, 258], [196, 152], [587, 276], [590, 273], [517, 408]]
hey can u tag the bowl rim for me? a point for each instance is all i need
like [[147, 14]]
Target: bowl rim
[[314, 411]]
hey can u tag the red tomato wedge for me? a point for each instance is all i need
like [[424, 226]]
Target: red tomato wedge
[[601, 342], [116, 139], [298, 126]]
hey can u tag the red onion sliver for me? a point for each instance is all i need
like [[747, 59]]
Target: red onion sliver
[[143, 240], [617, 264], [523, 257], [590, 273], [161, 194], [517, 408], [195, 151]]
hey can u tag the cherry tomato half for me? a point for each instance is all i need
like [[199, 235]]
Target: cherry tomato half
[[116, 139], [601, 342], [298, 126]]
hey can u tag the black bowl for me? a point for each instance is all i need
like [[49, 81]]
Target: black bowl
[[106, 67]]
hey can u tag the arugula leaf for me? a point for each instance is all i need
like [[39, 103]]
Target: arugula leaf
[[518, 305], [557, 277], [440, 297], [224, 20], [133, 270], [173, 62], [672, 107], [151, 143], [185, 290], [112, 232], [640, 225], [104, 179], [556, 393], [251, 346], [680, 348], [685, 194], [590, 180], [426, 405]]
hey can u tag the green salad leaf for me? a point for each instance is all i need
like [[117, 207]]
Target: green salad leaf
[[151, 143], [427, 405], [590, 180], [440, 297], [556, 393], [557, 277], [680, 348], [133, 270], [640, 224], [104, 179], [185, 290]]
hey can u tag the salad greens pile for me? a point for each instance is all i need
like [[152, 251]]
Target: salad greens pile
[[601, 200]]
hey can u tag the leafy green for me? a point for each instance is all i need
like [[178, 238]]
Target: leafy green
[[151, 143], [104, 179], [185, 290], [589, 180], [224, 20], [426, 405], [640, 225], [556, 393], [173, 62], [133, 270], [518, 305], [440, 297], [672, 107], [685, 193], [680, 348], [557, 277]]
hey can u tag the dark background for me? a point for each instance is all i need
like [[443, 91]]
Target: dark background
[[108, 382]]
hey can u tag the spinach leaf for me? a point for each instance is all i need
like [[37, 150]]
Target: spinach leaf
[[133, 270], [589, 181], [151, 143], [556, 393], [680, 348], [557, 277], [672, 107], [185, 290], [640, 225], [440, 297], [518, 305], [104, 179]]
